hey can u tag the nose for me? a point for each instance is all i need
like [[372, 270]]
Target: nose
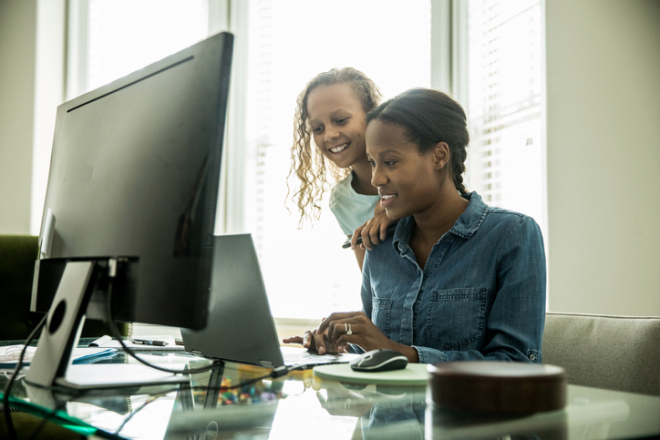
[[331, 134], [378, 179]]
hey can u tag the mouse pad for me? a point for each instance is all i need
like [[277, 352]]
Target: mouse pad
[[413, 374]]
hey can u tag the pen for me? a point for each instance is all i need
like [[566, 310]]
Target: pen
[[390, 232], [149, 342]]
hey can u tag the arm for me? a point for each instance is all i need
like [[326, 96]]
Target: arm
[[356, 328], [359, 254], [373, 231]]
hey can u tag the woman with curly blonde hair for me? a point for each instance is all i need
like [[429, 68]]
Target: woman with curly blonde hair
[[332, 111]]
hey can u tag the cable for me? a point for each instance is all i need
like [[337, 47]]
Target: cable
[[277, 372], [43, 423], [5, 398], [137, 410], [117, 335]]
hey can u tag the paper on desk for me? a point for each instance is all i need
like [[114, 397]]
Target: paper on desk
[[10, 354]]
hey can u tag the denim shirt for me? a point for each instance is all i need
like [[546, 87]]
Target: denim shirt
[[480, 296]]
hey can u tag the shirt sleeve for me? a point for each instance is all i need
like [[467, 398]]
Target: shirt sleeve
[[366, 300], [366, 285], [521, 289]]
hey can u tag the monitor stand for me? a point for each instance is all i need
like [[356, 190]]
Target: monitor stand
[[52, 362]]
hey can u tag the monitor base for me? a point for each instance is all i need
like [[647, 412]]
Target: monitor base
[[110, 376]]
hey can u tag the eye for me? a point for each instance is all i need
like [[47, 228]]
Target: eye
[[342, 121], [372, 162], [317, 130], [389, 163]]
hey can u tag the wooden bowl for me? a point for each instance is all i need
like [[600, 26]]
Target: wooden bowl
[[497, 387]]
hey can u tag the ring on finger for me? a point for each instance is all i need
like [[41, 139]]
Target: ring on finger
[[349, 331]]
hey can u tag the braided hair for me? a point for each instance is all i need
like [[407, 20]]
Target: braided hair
[[428, 117]]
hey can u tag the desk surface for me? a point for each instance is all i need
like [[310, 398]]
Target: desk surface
[[301, 405]]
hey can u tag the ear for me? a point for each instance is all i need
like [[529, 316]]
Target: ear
[[440, 155]]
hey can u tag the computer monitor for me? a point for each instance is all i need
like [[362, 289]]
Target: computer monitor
[[134, 179]]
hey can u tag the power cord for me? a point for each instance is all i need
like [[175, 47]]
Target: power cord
[[149, 400], [5, 397], [112, 272], [45, 421], [275, 373], [117, 334]]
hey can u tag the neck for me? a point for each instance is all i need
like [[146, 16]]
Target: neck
[[362, 178], [433, 223]]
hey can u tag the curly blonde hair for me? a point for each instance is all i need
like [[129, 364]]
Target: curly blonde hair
[[308, 163]]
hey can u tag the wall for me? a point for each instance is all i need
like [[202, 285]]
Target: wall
[[603, 146], [17, 74], [32, 56]]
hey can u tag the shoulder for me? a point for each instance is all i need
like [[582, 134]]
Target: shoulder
[[511, 218], [341, 191], [512, 227], [501, 215], [343, 196]]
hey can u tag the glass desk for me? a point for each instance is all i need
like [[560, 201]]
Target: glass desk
[[300, 405]]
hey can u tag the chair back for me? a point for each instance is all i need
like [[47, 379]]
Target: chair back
[[17, 256], [613, 352]]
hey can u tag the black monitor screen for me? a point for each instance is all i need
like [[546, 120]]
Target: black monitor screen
[[134, 174]]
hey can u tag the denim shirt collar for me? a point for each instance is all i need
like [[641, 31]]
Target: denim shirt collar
[[466, 225]]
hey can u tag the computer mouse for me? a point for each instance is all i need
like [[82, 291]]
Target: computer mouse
[[380, 360]]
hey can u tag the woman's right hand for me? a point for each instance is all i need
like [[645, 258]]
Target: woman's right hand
[[312, 340], [373, 231]]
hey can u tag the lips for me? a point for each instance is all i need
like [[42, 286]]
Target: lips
[[339, 148], [386, 199]]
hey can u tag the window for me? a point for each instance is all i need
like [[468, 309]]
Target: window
[[488, 53], [506, 157], [114, 38], [307, 273]]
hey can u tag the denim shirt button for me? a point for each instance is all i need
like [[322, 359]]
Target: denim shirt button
[[532, 357]]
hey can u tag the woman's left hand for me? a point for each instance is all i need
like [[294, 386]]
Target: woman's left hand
[[356, 328]]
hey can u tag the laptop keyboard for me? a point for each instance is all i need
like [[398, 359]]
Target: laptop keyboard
[[295, 356]]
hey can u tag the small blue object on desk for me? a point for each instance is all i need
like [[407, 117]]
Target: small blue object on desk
[[10, 354]]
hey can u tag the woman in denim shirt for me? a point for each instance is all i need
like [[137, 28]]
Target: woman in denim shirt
[[459, 280]]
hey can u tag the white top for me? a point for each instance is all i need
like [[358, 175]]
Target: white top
[[350, 208]]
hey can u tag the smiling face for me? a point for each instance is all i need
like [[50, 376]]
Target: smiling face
[[408, 181], [338, 123]]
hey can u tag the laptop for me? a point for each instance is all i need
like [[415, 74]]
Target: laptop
[[240, 326]]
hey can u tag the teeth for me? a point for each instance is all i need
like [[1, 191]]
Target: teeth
[[389, 196], [339, 148]]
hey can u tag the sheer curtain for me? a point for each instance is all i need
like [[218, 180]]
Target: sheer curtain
[[505, 90]]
